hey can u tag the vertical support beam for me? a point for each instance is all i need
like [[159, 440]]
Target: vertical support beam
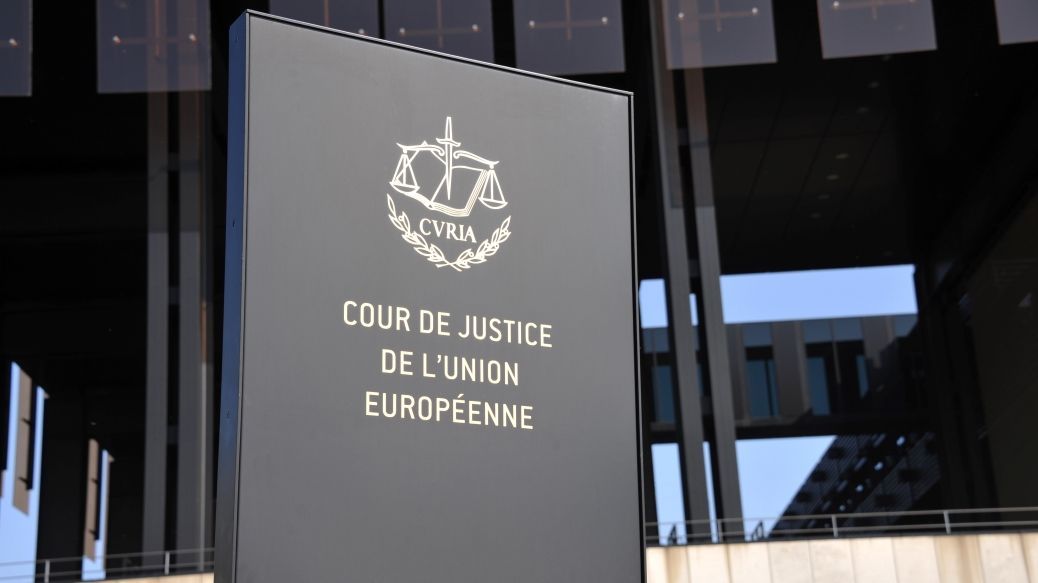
[[737, 366], [194, 476], [794, 397], [725, 466], [678, 286], [156, 416]]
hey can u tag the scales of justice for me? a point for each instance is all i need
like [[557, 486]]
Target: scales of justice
[[487, 190]]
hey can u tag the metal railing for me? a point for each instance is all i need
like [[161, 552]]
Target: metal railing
[[857, 524], [117, 565], [688, 532]]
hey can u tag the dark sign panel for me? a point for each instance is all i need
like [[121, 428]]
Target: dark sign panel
[[430, 341]]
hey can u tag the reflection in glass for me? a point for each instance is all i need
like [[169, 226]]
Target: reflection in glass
[[879, 472], [1001, 309], [720, 33], [359, 16], [801, 372], [818, 293], [856, 28], [670, 502], [21, 474], [771, 472], [16, 47], [147, 47], [569, 37], [458, 27], [761, 383]]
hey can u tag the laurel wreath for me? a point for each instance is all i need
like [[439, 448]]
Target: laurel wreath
[[466, 259]]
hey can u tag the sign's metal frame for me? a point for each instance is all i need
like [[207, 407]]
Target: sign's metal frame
[[234, 290]]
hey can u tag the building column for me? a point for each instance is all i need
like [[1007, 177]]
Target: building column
[[678, 285], [156, 416], [726, 469], [195, 397]]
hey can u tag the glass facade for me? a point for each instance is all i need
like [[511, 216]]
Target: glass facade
[[839, 253]]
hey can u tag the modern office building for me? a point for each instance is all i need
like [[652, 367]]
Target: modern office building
[[837, 242]]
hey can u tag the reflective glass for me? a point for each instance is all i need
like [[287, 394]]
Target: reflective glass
[[16, 47], [458, 27], [855, 28], [664, 389], [1001, 304], [569, 37], [147, 47], [719, 33], [359, 16], [670, 504]]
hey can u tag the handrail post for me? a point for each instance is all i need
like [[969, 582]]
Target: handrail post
[[46, 571], [836, 530], [165, 566], [947, 523]]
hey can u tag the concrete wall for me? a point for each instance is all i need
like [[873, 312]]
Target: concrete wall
[[1005, 558]]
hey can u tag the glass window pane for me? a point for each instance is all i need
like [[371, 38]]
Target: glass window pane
[[855, 28], [1017, 21], [663, 390], [726, 32], [569, 37], [670, 499], [458, 27], [760, 382], [772, 471], [148, 47], [818, 384], [359, 16], [863, 374], [16, 47]]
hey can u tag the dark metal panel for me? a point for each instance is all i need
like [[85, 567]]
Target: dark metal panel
[[234, 305], [320, 474]]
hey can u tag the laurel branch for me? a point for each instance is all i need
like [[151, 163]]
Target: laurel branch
[[466, 259]]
